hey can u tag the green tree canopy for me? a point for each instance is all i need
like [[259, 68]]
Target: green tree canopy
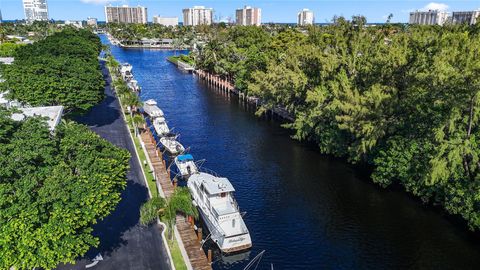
[[61, 69], [53, 188]]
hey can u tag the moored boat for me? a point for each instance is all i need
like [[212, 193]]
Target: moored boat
[[126, 71], [150, 107], [214, 198], [186, 165], [171, 144], [160, 126], [133, 85]]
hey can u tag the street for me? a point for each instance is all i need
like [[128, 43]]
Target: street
[[124, 243]]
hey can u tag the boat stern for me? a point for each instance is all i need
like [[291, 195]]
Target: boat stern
[[236, 243]]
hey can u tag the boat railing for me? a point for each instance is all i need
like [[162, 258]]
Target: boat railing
[[206, 170]]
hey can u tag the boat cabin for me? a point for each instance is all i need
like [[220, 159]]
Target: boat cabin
[[150, 107], [186, 165]]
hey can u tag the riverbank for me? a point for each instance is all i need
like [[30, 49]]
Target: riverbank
[[307, 210]]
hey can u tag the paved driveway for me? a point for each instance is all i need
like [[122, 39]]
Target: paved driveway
[[124, 244]]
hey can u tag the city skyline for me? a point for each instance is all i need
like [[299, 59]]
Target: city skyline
[[280, 11]]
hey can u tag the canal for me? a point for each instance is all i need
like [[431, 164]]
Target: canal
[[305, 209]]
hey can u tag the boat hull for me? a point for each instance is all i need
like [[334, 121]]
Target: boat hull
[[238, 243]]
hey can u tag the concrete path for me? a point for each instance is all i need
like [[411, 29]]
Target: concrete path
[[124, 244]]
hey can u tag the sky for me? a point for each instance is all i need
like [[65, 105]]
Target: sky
[[281, 11]]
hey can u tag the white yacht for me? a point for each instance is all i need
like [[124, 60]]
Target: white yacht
[[160, 125], [150, 107], [171, 144], [214, 198], [133, 85], [126, 71], [186, 165]]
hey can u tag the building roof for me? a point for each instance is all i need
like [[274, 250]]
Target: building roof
[[7, 60], [213, 185], [53, 113]]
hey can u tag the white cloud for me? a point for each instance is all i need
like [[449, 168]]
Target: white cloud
[[435, 6], [98, 2]]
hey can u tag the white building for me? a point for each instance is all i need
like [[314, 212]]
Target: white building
[[52, 113], [126, 14], [431, 17], [92, 22], [249, 16], [466, 17], [167, 21], [198, 15], [77, 24], [35, 10], [305, 17]]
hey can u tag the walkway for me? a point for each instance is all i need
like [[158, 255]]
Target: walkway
[[161, 175], [124, 243], [192, 246], [190, 241]]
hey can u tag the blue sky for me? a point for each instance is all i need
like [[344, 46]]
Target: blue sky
[[272, 10]]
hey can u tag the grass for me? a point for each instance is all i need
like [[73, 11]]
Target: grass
[[174, 250], [182, 57], [177, 257]]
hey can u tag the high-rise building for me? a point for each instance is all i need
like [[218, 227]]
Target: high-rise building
[[249, 16], [466, 17], [305, 17], [166, 21], [125, 14], [197, 15], [431, 17], [35, 10]]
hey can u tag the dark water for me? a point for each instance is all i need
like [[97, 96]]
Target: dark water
[[306, 210]]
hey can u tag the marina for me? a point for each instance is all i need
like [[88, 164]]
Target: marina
[[306, 210]]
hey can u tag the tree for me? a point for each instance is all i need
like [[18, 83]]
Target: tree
[[402, 99], [62, 69], [179, 202], [53, 189]]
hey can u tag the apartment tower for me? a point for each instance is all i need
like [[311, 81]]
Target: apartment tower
[[305, 17], [126, 14], [466, 17], [198, 15], [35, 10], [249, 16], [431, 17]]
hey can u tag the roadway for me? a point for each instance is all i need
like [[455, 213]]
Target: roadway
[[124, 243]]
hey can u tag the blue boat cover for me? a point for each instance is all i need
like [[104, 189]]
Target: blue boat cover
[[186, 157]]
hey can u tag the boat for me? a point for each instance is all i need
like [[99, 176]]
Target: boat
[[186, 165], [171, 144], [214, 198], [160, 126], [126, 71], [133, 85], [150, 107]]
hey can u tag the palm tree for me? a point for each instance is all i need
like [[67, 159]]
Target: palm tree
[[132, 100], [179, 202], [137, 120]]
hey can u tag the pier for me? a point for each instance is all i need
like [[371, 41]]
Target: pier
[[190, 240], [228, 87]]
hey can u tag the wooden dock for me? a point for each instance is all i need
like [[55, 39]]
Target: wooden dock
[[192, 245], [161, 175], [197, 257]]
